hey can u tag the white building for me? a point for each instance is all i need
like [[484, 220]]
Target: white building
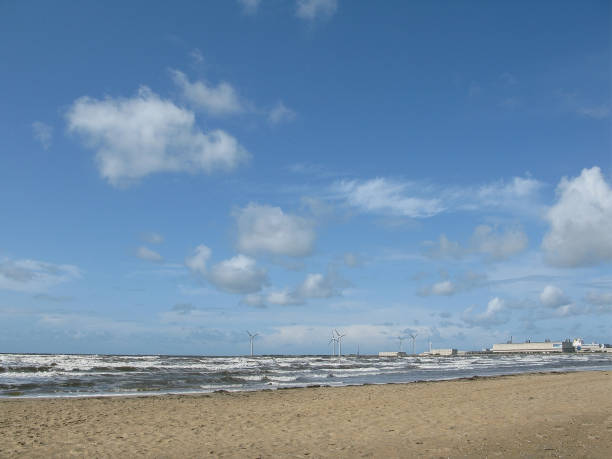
[[546, 346], [441, 352], [581, 346], [391, 354]]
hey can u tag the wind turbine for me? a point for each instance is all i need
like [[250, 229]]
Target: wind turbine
[[413, 337], [339, 338], [333, 340], [252, 338], [401, 339]]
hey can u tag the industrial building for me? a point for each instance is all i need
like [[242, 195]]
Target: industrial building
[[528, 346], [441, 352], [391, 354]]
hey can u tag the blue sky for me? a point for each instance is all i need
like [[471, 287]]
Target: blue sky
[[174, 175]]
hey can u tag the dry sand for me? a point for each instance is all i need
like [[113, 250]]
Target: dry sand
[[537, 415]]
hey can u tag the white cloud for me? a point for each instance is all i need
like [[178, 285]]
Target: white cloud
[[152, 238], [34, 275], [283, 298], [197, 261], [313, 9], [497, 245], [239, 274], [385, 196], [138, 136], [494, 314], [518, 193], [281, 113], [486, 240], [445, 288], [422, 200], [43, 133], [268, 229], [553, 297], [580, 222], [219, 101], [147, 254], [315, 285], [249, 6]]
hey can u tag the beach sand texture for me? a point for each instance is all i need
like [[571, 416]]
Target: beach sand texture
[[536, 415]]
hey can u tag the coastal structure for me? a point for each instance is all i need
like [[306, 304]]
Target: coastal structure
[[534, 347], [581, 346], [391, 354], [441, 352]]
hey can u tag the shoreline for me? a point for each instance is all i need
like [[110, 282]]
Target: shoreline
[[535, 414], [144, 394]]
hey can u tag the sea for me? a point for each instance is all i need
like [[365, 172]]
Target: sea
[[54, 375]]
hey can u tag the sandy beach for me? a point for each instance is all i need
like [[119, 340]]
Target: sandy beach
[[535, 415]]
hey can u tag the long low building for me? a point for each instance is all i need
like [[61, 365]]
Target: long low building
[[391, 354], [441, 352], [547, 346]]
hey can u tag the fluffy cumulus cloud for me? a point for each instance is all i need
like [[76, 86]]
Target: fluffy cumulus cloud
[[239, 274], [33, 275], [217, 100], [197, 261], [580, 222], [494, 314], [313, 9], [267, 229], [43, 133], [553, 297], [138, 136], [144, 253]]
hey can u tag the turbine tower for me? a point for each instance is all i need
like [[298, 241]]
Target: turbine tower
[[333, 340], [339, 339], [401, 339], [413, 338], [252, 338]]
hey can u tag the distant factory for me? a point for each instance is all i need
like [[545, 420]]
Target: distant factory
[[547, 346]]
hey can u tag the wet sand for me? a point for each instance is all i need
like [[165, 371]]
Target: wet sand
[[534, 415]]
